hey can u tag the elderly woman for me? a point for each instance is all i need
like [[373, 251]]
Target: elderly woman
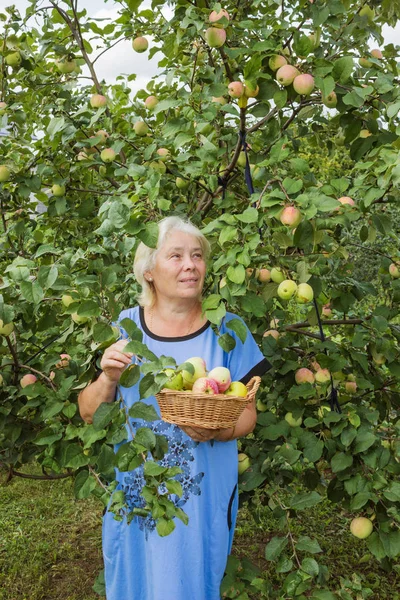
[[190, 562]]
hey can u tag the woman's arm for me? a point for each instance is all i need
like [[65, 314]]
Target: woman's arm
[[113, 363]]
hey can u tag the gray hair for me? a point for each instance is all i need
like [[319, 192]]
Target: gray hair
[[145, 257]]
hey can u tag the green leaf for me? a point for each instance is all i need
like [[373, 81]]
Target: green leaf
[[227, 342], [236, 274], [148, 386], [105, 413], [31, 291], [131, 329], [174, 487], [304, 235], [359, 500], [310, 566], [392, 493], [55, 126], [305, 500], [130, 376], [153, 469], [140, 349], [165, 527], [306, 544], [140, 410], [74, 457], [145, 437], [47, 437], [275, 547], [341, 461], [342, 69], [239, 328], [364, 440], [149, 235], [89, 308], [84, 485], [102, 332], [250, 215]]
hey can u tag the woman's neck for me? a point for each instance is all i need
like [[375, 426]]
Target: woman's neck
[[174, 319]]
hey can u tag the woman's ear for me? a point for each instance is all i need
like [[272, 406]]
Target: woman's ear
[[148, 277]]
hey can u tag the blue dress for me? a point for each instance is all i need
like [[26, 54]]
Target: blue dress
[[189, 563]]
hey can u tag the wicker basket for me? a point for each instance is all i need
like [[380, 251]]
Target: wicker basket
[[204, 410]]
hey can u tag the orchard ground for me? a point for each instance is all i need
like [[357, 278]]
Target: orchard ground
[[51, 543]]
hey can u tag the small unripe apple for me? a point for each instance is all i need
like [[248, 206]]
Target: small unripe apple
[[66, 66], [326, 310], [264, 275], [215, 17], [98, 101], [350, 387], [277, 275], [286, 74], [364, 62], [304, 84], [66, 299], [290, 216], [199, 366], [58, 190], [376, 53], [304, 293], [164, 154], [6, 329], [78, 319], [394, 271], [361, 527], [14, 59], [271, 332], [103, 135], [175, 381], [181, 184], [368, 12], [151, 102], [235, 89], [250, 91], [4, 173], [83, 156], [215, 37], [28, 379], [107, 155], [323, 410], [289, 418], [64, 362], [378, 358], [322, 376], [140, 44], [244, 463], [330, 100], [346, 200], [3, 106], [276, 62], [141, 128], [274, 323], [286, 289], [364, 133], [219, 100], [261, 406], [304, 375], [158, 166]]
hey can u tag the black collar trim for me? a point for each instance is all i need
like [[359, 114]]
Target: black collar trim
[[160, 338]]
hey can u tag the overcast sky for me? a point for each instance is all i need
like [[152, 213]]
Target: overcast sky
[[124, 58]]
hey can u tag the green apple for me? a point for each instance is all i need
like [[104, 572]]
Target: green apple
[[277, 275], [304, 375], [151, 102], [286, 289], [215, 37], [28, 379], [98, 101], [276, 62], [107, 155], [271, 332], [304, 293], [6, 329], [261, 406], [140, 44], [322, 376], [244, 463], [141, 128], [181, 184], [175, 381], [368, 12], [14, 59], [361, 527], [237, 388], [199, 371], [322, 410], [289, 418], [4, 173], [394, 271], [58, 190], [78, 319], [66, 66]]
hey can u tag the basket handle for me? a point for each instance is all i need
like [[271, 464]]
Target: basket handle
[[253, 386]]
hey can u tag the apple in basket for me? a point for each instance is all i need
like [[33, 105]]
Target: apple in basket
[[222, 377], [175, 380], [237, 388], [205, 385], [199, 366]]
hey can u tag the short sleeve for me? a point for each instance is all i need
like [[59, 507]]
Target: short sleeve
[[246, 359]]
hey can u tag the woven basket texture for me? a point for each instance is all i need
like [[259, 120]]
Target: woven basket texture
[[204, 410]]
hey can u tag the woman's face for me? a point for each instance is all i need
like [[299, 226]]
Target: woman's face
[[180, 268]]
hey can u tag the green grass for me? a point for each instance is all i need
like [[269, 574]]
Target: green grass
[[50, 544]]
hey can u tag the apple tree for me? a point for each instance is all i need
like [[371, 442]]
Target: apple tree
[[274, 126]]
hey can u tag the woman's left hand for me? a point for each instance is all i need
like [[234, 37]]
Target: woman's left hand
[[199, 434]]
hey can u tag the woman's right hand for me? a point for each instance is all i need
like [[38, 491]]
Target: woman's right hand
[[115, 360]]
